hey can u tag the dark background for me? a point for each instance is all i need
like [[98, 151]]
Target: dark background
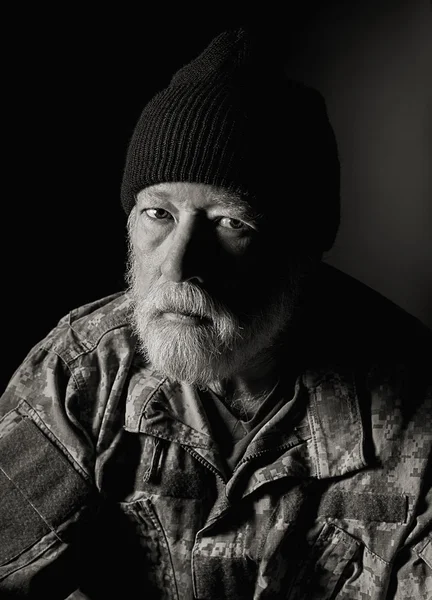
[[75, 82]]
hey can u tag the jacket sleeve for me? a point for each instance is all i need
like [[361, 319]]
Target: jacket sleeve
[[47, 496], [412, 573]]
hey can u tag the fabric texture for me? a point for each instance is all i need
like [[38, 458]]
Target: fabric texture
[[331, 498], [231, 118], [44, 488]]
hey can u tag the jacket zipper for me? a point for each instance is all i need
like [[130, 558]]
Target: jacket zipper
[[211, 468], [204, 462], [261, 452], [153, 471]]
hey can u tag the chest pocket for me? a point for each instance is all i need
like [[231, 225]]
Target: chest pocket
[[328, 567], [153, 547], [170, 497]]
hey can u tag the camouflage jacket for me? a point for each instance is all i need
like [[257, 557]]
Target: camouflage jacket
[[110, 490]]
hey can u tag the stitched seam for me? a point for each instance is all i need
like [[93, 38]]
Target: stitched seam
[[428, 541], [70, 459], [125, 370], [304, 564], [35, 414], [12, 410], [91, 347], [80, 391], [30, 559], [383, 560], [156, 523], [359, 421], [31, 504], [20, 552], [270, 525], [47, 346], [150, 397], [157, 434], [386, 562], [311, 412], [62, 458]]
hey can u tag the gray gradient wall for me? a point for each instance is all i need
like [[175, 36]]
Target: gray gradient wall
[[373, 63]]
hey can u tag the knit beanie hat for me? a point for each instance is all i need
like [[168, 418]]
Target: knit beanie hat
[[232, 118]]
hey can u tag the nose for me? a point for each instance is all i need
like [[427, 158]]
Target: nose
[[184, 257]]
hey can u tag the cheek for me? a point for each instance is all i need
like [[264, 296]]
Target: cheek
[[148, 240], [147, 262], [147, 269], [255, 264], [236, 258], [247, 280], [150, 243]]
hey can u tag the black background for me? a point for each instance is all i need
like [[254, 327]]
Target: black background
[[75, 82]]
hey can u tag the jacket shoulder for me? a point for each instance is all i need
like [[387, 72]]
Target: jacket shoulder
[[81, 330]]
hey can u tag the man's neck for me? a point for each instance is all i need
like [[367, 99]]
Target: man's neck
[[245, 391]]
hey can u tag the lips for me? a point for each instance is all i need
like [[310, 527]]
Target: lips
[[183, 317]]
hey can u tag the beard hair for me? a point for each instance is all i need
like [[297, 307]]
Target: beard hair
[[221, 343]]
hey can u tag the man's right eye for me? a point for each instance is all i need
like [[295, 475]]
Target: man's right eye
[[157, 214]]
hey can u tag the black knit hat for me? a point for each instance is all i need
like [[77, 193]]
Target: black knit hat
[[232, 118]]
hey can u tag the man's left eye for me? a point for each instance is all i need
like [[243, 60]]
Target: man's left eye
[[229, 223], [158, 214]]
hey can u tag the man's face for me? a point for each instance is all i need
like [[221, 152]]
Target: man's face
[[212, 288]]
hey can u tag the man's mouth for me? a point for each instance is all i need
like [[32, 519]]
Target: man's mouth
[[184, 317]]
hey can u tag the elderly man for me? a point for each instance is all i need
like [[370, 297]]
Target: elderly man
[[244, 421]]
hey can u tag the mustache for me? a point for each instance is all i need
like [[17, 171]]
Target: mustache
[[187, 298]]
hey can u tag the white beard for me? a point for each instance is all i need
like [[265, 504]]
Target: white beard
[[220, 345]]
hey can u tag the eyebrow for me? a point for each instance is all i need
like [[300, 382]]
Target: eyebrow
[[237, 205], [156, 193], [234, 203]]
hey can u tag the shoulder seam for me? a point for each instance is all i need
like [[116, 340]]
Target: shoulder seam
[[89, 347], [83, 346]]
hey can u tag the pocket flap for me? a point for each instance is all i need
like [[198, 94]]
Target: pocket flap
[[425, 552], [39, 488]]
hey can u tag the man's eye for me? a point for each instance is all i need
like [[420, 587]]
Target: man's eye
[[158, 214], [229, 223]]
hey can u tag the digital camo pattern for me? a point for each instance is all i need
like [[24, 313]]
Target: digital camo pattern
[[332, 500]]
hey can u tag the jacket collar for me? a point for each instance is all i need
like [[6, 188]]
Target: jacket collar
[[335, 422], [323, 422]]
